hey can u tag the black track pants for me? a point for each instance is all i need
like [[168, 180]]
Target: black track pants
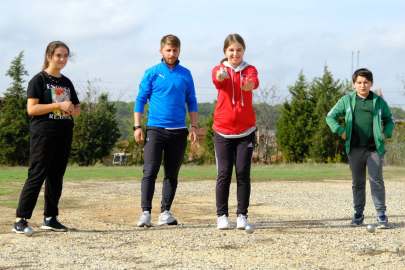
[[173, 143], [49, 157], [225, 151]]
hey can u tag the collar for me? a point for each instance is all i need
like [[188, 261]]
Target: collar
[[369, 97], [177, 63]]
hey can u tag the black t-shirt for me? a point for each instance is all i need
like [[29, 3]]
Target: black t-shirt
[[47, 91]]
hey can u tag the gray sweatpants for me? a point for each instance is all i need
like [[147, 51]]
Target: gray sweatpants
[[359, 158]]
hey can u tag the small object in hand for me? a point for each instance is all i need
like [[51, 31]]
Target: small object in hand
[[249, 228], [28, 231], [223, 74], [370, 228]]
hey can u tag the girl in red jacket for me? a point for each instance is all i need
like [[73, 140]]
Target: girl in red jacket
[[234, 126]]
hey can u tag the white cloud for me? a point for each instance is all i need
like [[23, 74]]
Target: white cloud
[[74, 20]]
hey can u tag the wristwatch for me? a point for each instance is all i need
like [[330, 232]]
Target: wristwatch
[[136, 127]]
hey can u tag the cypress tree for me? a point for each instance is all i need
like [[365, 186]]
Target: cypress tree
[[325, 92], [293, 127], [14, 119]]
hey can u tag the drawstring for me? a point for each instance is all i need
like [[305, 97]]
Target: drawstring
[[233, 90], [241, 91]]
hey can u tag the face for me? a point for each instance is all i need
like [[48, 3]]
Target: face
[[235, 53], [59, 58], [170, 55], [362, 86]]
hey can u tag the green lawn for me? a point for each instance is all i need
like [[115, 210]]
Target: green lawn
[[259, 172], [189, 172], [13, 178]]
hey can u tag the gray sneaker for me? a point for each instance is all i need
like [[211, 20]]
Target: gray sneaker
[[382, 222], [167, 218], [357, 220], [144, 220]]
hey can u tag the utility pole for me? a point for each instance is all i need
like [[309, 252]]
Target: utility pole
[[358, 60]]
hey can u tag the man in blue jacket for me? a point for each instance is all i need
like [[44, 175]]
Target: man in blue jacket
[[168, 86]]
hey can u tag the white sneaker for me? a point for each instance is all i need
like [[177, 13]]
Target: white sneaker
[[241, 222], [222, 223], [144, 220], [167, 218]]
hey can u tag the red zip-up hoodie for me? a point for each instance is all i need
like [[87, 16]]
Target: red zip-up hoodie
[[234, 112]]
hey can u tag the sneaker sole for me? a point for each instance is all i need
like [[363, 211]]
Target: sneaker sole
[[166, 223], [240, 228], [224, 229], [14, 230], [53, 229], [143, 225], [356, 225], [382, 227]]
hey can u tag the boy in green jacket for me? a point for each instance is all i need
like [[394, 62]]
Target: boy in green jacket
[[365, 146]]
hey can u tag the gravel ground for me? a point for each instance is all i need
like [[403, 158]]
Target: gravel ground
[[298, 225]]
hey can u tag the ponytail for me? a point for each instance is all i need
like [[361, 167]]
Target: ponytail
[[223, 60]]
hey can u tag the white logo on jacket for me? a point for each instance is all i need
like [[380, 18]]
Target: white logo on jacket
[[163, 76]]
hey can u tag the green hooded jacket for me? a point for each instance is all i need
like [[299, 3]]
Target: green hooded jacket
[[382, 113]]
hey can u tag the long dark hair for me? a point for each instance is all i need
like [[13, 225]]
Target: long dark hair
[[231, 39], [50, 50]]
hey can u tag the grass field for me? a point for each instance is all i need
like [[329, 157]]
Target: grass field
[[259, 172], [12, 178]]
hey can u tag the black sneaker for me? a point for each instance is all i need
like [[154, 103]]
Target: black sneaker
[[357, 220], [20, 226], [53, 225], [382, 222]]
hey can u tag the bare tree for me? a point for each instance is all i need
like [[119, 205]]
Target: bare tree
[[267, 102], [89, 92], [402, 80]]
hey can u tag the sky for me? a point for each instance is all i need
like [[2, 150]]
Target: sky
[[115, 41]]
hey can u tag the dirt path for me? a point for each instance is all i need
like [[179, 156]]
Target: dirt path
[[299, 225]]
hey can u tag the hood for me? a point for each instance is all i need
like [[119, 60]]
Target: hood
[[241, 66]]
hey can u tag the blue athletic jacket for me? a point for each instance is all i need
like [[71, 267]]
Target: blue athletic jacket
[[168, 91]]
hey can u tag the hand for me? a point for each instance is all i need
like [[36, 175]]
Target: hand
[[383, 136], [248, 85], [65, 114], [138, 135], [193, 134], [219, 71], [66, 106], [344, 135]]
